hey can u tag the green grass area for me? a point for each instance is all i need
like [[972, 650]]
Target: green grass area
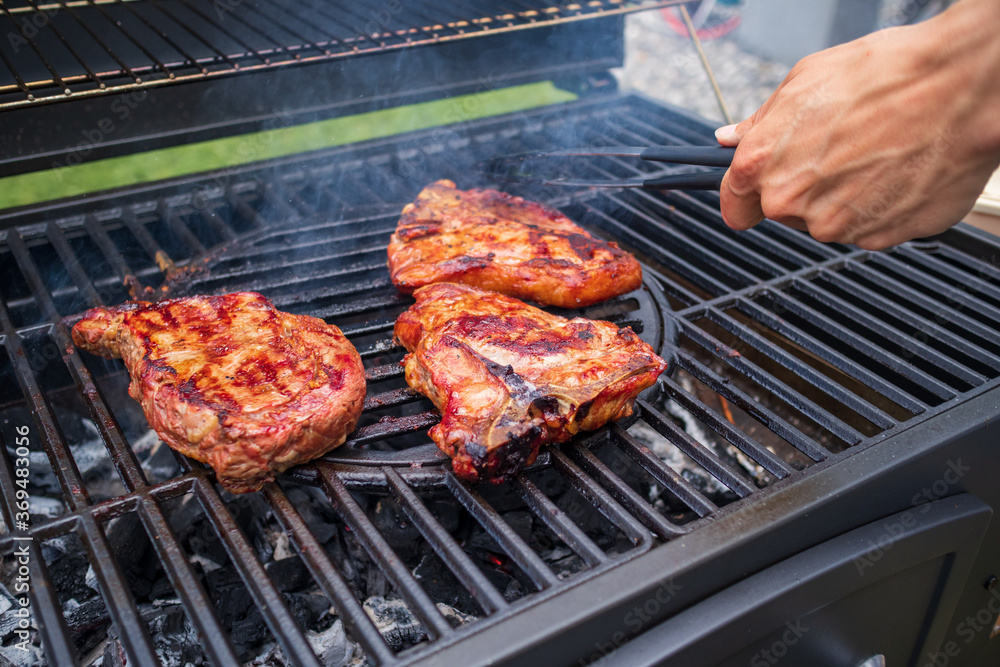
[[176, 161]]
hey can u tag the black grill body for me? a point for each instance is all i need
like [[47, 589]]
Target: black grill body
[[834, 410]]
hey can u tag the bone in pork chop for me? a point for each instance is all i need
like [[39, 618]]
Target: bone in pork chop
[[503, 243], [508, 377], [232, 382]]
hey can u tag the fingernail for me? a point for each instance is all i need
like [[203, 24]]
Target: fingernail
[[725, 133]]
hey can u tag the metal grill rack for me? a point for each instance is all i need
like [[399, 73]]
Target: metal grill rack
[[760, 317], [58, 50]]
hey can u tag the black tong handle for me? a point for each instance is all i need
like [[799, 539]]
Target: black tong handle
[[703, 180], [706, 156]]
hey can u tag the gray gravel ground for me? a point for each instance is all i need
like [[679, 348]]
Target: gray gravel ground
[[663, 65]]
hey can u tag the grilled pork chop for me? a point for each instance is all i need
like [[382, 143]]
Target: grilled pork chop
[[503, 243], [232, 382], [508, 377]]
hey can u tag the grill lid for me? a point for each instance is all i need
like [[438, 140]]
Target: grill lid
[[74, 74]]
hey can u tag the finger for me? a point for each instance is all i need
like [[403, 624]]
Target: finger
[[730, 135], [740, 207]]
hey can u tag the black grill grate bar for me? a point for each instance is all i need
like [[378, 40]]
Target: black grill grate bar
[[380, 552], [677, 237], [589, 489], [934, 265], [63, 464], [649, 134], [108, 248], [72, 265], [122, 455], [389, 426], [790, 238], [673, 288], [625, 494], [878, 353], [445, 546], [559, 523], [698, 452], [217, 224], [664, 256], [328, 577], [172, 217], [246, 211], [906, 341], [383, 372], [48, 612], [360, 306], [142, 235], [117, 596], [833, 389], [303, 236], [320, 293], [940, 307], [770, 383], [965, 297], [748, 404], [389, 398], [374, 326], [377, 347], [263, 591], [275, 198], [182, 577], [508, 539], [846, 365], [366, 277], [361, 260], [760, 454], [978, 267], [661, 472], [708, 234]]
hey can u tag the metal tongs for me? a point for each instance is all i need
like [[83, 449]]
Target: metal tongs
[[514, 167]]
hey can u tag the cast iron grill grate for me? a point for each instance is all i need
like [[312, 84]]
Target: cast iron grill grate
[[790, 354], [82, 48]]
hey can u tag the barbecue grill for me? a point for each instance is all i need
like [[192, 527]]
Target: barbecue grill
[[811, 483]]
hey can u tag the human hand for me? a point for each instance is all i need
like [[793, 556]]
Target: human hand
[[877, 141]]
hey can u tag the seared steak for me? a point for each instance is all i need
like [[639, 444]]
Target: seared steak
[[503, 243], [232, 382], [508, 377]]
